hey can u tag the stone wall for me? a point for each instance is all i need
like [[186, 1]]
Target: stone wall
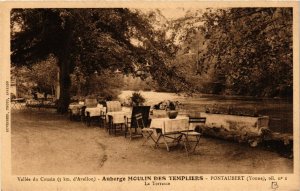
[[238, 128]]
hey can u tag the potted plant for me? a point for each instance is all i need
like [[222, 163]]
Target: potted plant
[[172, 113]]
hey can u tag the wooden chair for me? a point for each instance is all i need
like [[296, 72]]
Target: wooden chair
[[147, 134], [139, 120], [193, 136]]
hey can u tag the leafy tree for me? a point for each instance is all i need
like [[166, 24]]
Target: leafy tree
[[106, 84], [136, 83], [40, 77], [93, 39], [251, 48], [44, 75], [23, 84], [244, 51]]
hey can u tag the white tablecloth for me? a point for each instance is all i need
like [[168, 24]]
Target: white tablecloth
[[75, 108], [95, 111], [181, 123], [119, 116]]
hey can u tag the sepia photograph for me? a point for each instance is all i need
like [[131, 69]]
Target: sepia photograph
[[153, 95]]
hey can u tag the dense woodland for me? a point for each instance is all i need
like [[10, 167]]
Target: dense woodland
[[237, 51]]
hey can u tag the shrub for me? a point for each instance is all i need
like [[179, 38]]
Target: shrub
[[12, 96], [137, 99]]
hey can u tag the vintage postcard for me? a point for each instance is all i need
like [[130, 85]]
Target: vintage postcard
[[149, 95]]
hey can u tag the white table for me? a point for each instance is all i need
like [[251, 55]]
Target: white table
[[169, 128], [75, 108], [95, 111], [180, 123], [118, 116]]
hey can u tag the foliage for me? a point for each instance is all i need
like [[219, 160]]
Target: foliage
[[23, 84], [137, 99], [167, 105], [245, 51], [93, 39], [12, 96], [44, 75], [252, 48], [241, 51], [105, 85], [138, 84], [40, 77]]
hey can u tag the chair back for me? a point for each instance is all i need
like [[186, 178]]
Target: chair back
[[90, 102], [139, 120], [140, 111], [196, 122], [112, 106]]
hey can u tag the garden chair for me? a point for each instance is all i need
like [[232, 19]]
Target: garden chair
[[193, 135], [116, 122], [112, 106], [74, 110], [139, 120], [88, 103], [147, 133]]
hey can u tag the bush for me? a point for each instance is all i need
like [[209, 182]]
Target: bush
[[137, 99], [13, 96]]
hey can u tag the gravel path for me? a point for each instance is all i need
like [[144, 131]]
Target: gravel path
[[47, 143]]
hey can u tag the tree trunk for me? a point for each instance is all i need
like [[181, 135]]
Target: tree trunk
[[65, 84], [64, 59]]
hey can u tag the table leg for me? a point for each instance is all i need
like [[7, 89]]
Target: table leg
[[197, 142], [158, 138], [178, 139], [186, 144], [88, 119], [168, 149], [188, 148]]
